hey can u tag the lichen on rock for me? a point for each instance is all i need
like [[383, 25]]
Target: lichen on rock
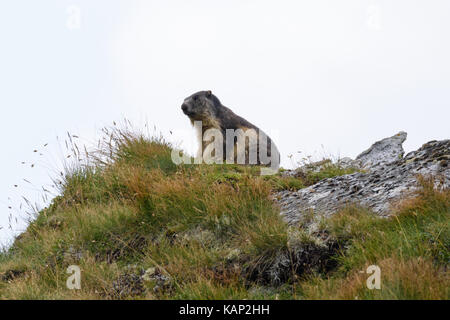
[[386, 177]]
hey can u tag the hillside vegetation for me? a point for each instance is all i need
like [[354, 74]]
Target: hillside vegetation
[[141, 227]]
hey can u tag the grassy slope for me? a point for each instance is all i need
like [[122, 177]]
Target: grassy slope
[[212, 232]]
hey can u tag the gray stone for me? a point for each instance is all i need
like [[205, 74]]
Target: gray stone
[[387, 178], [148, 274], [347, 162], [383, 152]]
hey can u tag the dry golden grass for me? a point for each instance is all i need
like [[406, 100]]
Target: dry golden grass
[[414, 279]]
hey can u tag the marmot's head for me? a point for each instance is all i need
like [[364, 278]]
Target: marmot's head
[[200, 106]]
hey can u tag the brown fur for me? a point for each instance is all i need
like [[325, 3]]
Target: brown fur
[[205, 107]]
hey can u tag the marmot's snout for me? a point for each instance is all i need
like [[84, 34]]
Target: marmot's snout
[[185, 108]]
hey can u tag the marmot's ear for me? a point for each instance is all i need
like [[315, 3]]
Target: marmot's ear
[[208, 93]]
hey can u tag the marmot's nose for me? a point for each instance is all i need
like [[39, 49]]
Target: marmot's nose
[[184, 107]]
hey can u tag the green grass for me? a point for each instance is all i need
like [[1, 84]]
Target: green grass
[[213, 232]]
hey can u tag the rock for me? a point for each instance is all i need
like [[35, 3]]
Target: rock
[[127, 285], [383, 152], [160, 281], [389, 178], [72, 255], [308, 167], [302, 257], [347, 163], [149, 273]]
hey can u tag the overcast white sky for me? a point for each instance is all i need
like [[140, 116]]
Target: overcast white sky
[[324, 76]]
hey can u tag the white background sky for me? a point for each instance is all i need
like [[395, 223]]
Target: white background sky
[[337, 74]]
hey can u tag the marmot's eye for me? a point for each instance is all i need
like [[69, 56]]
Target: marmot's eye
[[195, 98]]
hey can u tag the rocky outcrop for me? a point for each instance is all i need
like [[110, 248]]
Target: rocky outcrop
[[386, 177], [383, 152]]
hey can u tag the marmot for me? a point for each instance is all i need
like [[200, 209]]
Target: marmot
[[244, 138]]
